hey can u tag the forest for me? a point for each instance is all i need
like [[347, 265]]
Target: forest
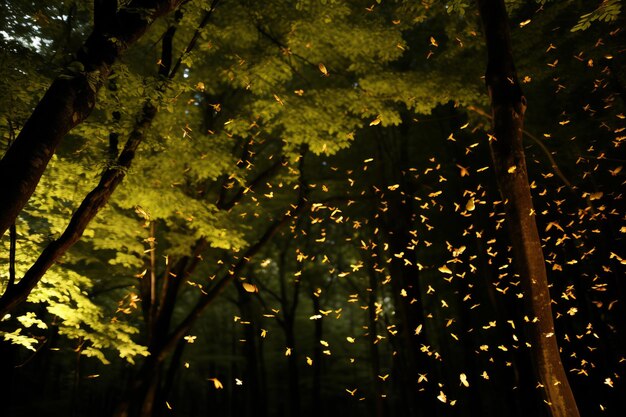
[[338, 208]]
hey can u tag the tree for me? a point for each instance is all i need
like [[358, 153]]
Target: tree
[[71, 98], [508, 106]]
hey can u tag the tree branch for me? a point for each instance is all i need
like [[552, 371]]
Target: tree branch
[[535, 139], [69, 100], [183, 328]]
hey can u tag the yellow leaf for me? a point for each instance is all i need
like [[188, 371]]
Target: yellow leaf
[[217, 383], [444, 269], [442, 397], [596, 196], [249, 287]]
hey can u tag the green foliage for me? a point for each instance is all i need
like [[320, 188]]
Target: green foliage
[[608, 11]]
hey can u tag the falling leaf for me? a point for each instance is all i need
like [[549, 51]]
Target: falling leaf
[[464, 171], [463, 379], [323, 69], [444, 269], [442, 397], [375, 122], [596, 196], [249, 287], [216, 383]]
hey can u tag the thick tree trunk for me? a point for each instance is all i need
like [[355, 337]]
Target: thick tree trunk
[[70, 99], [508, 107]]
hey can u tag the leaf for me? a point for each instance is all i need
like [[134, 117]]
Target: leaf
[[323, 69], [250, 287], [217, 383]]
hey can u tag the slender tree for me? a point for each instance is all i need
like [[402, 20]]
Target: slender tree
[[508, 106], [71, 97]]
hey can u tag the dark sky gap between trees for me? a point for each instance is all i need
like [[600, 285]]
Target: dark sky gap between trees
[[306, 208]]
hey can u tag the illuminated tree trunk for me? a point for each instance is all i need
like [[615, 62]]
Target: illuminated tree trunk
[[508, 106], [70, 99]]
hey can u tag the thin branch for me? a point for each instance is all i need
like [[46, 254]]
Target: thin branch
[[88, 209], [93, 202], [535, 139], [232, 274], [194, 38]]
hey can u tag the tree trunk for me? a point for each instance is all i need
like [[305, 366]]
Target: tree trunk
[[292, 370], [140, 398], [379, 404], [70, 99], [508, 106], [255, 402], [318, 331]]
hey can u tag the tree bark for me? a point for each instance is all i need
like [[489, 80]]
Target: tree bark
[[508, 106], [70, 99]]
